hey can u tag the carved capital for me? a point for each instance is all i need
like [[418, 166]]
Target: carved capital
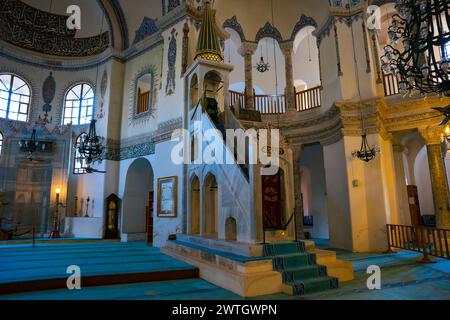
[[431, 134], [247, 48]]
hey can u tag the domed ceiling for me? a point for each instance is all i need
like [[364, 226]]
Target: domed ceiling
[[40, 25]]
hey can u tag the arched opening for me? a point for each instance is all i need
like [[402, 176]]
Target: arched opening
[[138, 191], [231, 229], [195, 207], [272, 81], [234, 58], [211, 212], [213, 86], [306, 60]]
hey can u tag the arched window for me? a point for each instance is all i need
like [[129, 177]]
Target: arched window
[[79, 105], [1, 143], [14, 98], [79, 165]]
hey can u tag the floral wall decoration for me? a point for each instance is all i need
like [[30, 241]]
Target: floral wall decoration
[[171, 61], [48, 94], [103, 87]]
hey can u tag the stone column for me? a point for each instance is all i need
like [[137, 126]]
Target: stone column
[[297, 152], [288, 50], [401, 191], [247, 50], [439, 184]]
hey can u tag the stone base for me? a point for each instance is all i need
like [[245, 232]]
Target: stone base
[[343, 270], [250, 278], [233, 247], [133, 237]]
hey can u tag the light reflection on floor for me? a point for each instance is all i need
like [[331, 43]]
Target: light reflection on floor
[[403, 278]]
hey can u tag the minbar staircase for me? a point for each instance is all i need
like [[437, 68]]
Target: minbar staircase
[[300, 272]]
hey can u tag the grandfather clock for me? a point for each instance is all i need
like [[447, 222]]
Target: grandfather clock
[[112, 217]]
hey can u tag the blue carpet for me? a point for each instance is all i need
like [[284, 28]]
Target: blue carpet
[[50, 261]]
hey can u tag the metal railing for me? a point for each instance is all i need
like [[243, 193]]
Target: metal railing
[[292, 219], [428, 241]]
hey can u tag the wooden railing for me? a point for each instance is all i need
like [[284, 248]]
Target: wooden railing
[[143, 102], [390, 85], [308, 99], [270, 104], [236, 97], [276, 104], [428, 241]]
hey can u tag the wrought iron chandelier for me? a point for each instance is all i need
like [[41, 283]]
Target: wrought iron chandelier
[[417, 53], [366, 153], [262, 66], [32, 145], [91, 148]]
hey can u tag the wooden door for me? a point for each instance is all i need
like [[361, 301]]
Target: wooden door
[[414, 206], [149, 211], [271, 196]]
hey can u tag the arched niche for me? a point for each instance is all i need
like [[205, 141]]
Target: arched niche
[[139, 184], [211, 206], [194, 210]]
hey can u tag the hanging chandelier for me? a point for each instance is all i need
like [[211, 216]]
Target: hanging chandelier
[[366, 153], [91, 148], [262, 66], [32, 145], [418, 53]]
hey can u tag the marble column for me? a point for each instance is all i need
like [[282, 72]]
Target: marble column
[[297, 152], [288, 50], [439, 184], [247, 50]]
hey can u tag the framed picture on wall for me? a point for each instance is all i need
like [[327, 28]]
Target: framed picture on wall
[[167, 197]]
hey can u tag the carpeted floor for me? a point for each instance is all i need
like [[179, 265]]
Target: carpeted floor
[[401, 276]]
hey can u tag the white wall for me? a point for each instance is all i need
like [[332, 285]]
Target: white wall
[[312, 160], [340, 226]]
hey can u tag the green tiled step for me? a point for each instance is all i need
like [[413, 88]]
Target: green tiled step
[[284, 262], [304, 273], [283, 248], [299, 269], [313, 285]]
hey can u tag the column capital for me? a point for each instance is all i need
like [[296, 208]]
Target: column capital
[[247, 48], [431, 134]]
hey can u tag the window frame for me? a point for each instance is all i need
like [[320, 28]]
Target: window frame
[[77, 156], [80, 106], [10, 95], [2, 138]]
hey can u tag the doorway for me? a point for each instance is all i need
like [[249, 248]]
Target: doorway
[[273, 202]]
